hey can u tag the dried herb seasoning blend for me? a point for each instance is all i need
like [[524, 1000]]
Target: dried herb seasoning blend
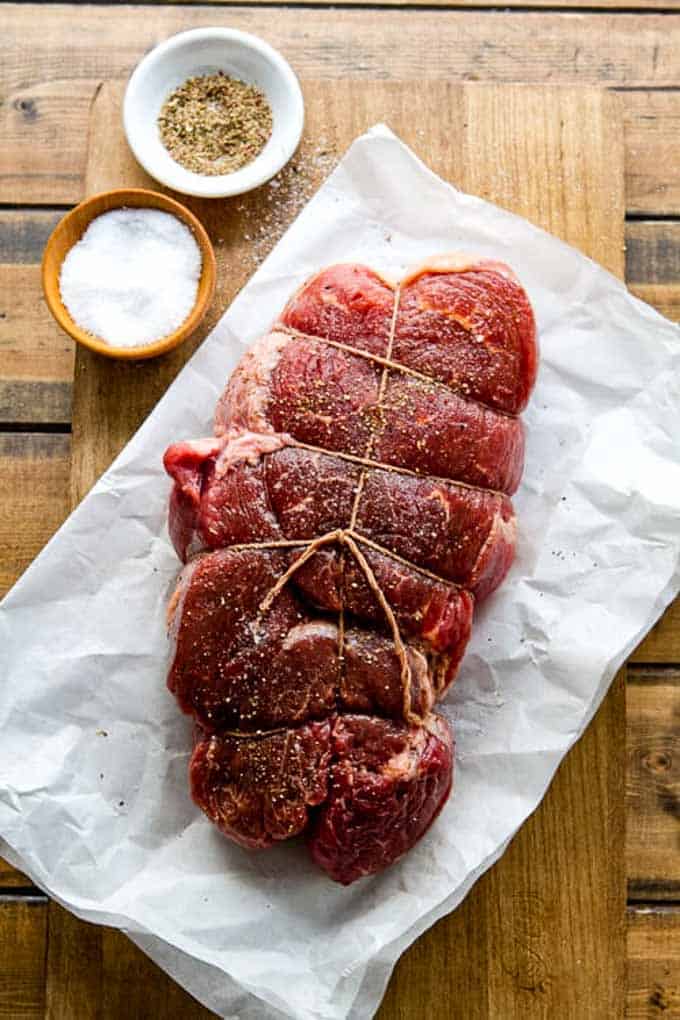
[[214, 124]]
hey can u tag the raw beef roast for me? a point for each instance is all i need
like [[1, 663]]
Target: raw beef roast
[[338, 530]]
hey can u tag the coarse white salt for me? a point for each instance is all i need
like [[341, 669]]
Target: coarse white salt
[[133, 276]]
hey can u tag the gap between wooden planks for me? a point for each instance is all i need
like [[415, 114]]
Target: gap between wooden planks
[[544, 930], [48, 78]]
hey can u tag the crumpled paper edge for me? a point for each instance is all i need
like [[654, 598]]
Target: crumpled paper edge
[[378, 980]]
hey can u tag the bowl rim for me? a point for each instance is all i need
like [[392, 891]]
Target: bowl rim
[[216, 186], [92, 205]]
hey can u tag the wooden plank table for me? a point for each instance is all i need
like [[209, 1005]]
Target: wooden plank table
[[53, 59]]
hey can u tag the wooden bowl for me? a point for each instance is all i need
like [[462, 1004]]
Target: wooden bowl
[[71, 228]]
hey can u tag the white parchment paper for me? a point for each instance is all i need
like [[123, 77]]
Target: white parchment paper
[[93, 751]]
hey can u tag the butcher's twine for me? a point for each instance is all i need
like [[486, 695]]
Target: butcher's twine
[[349, 538]]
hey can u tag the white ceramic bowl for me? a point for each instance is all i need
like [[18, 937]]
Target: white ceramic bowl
[[199, 52]]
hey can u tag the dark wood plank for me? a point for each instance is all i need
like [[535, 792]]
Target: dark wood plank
[[526, 149], [48, 78], [653, 968], [23, 946], [35, 472], [24, 233], [653, 252], [96, 973], [556, 895], [653, 264], [35, 401], [653, 784], [73, 967], [10, 878], [450, 963]]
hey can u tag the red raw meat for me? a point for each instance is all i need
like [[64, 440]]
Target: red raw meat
[[328, 398], [260, 789], [233, 670], [469, 324], [429, 429], [387, 784], [338, 530], [258, 488], [348, 304]]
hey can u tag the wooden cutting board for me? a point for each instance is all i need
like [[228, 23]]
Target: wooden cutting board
[[542, 934]]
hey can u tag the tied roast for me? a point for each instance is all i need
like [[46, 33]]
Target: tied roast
[[338, 529]]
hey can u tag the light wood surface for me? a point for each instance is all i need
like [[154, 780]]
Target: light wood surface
[[53, 59], [524, 147], [50, 82], [95, 973]]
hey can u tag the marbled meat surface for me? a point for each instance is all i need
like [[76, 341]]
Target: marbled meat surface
[[366, 448]]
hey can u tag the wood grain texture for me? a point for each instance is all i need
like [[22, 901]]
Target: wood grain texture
[[48, 79], [10, 878], [653, 967], [653, 274], [652, 136], [23, 945], [35, 472], [547, 923], [625, 49], [664, 297], [653, 252], [24, 234], [534, 938], [653, 784], [35, 402], [96, 973], [653, 264], [36, 358], [662, 643]]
